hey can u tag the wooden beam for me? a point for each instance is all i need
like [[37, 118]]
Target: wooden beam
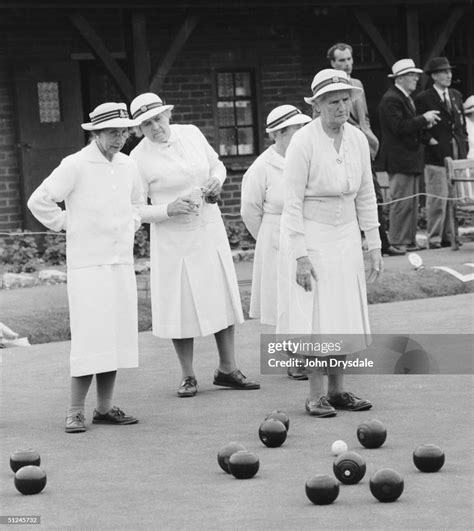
[[141, 54], [177, 45], [363, 18], [100, 50], [454, 17], [413, 34]]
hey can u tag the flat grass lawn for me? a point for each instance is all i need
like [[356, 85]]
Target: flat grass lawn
[[163, 474], [41, 312]]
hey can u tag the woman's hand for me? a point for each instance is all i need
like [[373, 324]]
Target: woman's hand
[[182, 205], [304, 272], [211, 187], [376, 265]]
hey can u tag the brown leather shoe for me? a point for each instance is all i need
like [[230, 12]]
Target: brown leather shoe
[[349, 402], [188, 387], [114, 416], [234, 379], [319, 407]]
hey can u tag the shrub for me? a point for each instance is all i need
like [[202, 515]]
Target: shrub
[[238, 235], [55, 248], [20, 253], [141, 245]]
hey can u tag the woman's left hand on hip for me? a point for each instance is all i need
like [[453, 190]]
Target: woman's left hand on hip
[[376, 264]]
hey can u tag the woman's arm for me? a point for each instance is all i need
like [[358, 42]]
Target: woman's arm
[[253, 198], [54, 189]]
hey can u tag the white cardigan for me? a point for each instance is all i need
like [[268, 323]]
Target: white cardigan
[[101, 200], [309, 174]]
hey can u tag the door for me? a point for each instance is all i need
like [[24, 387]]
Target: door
[[49, 110]]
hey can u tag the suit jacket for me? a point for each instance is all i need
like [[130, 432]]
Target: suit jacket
[[360, 118], [401, 149], [451, 127]]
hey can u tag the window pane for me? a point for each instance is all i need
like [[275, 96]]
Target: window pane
[[48, 100], [227, 142], [242, 84], [225, 85], [244, 112], [246, 143], [225, 113]]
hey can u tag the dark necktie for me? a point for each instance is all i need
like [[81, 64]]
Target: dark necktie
[[447, 100], [412, 104]]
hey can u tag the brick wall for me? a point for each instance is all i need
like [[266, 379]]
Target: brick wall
[[10, 207]]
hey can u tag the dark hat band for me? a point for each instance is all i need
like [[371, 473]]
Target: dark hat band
[[283, 118], [333, 80], [107, 116], [145, 108]]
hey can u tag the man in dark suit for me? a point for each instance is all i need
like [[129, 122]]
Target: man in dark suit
[[448, 138], [401, 151], [340, 57]]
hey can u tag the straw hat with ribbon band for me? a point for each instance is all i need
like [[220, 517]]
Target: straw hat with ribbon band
[[404, 66], [146, 106], [284, 116], [469, 105], [109, 115], [437, 64], [330, 80]]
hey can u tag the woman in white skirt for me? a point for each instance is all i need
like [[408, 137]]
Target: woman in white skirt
[[329, 199], [101, 188], [194, 290], [263, 194]]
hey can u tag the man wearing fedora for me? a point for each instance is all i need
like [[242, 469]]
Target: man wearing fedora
[[340, 57], [447, 138], [401, 151]]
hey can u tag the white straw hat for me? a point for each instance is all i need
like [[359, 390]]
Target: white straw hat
[[107, 115], [147, 105], [330, 80], [284, 116], [404, 66], [469, 105]]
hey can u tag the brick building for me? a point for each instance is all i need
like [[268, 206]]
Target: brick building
[[223, 64]]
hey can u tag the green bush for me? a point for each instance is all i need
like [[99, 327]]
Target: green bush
[[141, 245], [20, 253], [55, 248], [238, 235]]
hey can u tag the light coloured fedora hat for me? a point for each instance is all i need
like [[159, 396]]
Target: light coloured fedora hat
[[404, 66], [330, 80], [109, 115], [284, 116], [147, 105]]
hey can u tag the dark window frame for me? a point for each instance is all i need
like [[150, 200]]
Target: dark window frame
[[254, 101]]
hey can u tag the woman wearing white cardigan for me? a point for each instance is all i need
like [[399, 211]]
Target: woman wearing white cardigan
[[263, 194], [102, 191]]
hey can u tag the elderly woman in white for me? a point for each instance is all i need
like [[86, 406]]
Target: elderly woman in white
[[194, 289], [102, 190], [263, 193], [329, 198]]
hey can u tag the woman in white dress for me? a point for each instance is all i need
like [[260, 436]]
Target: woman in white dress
[[102, 190], [329, 199], [194, 290], [263, 193]]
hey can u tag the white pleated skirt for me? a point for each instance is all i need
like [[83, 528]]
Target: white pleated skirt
[[337, 303], [194, 289], [103, 318], [263, 298]]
